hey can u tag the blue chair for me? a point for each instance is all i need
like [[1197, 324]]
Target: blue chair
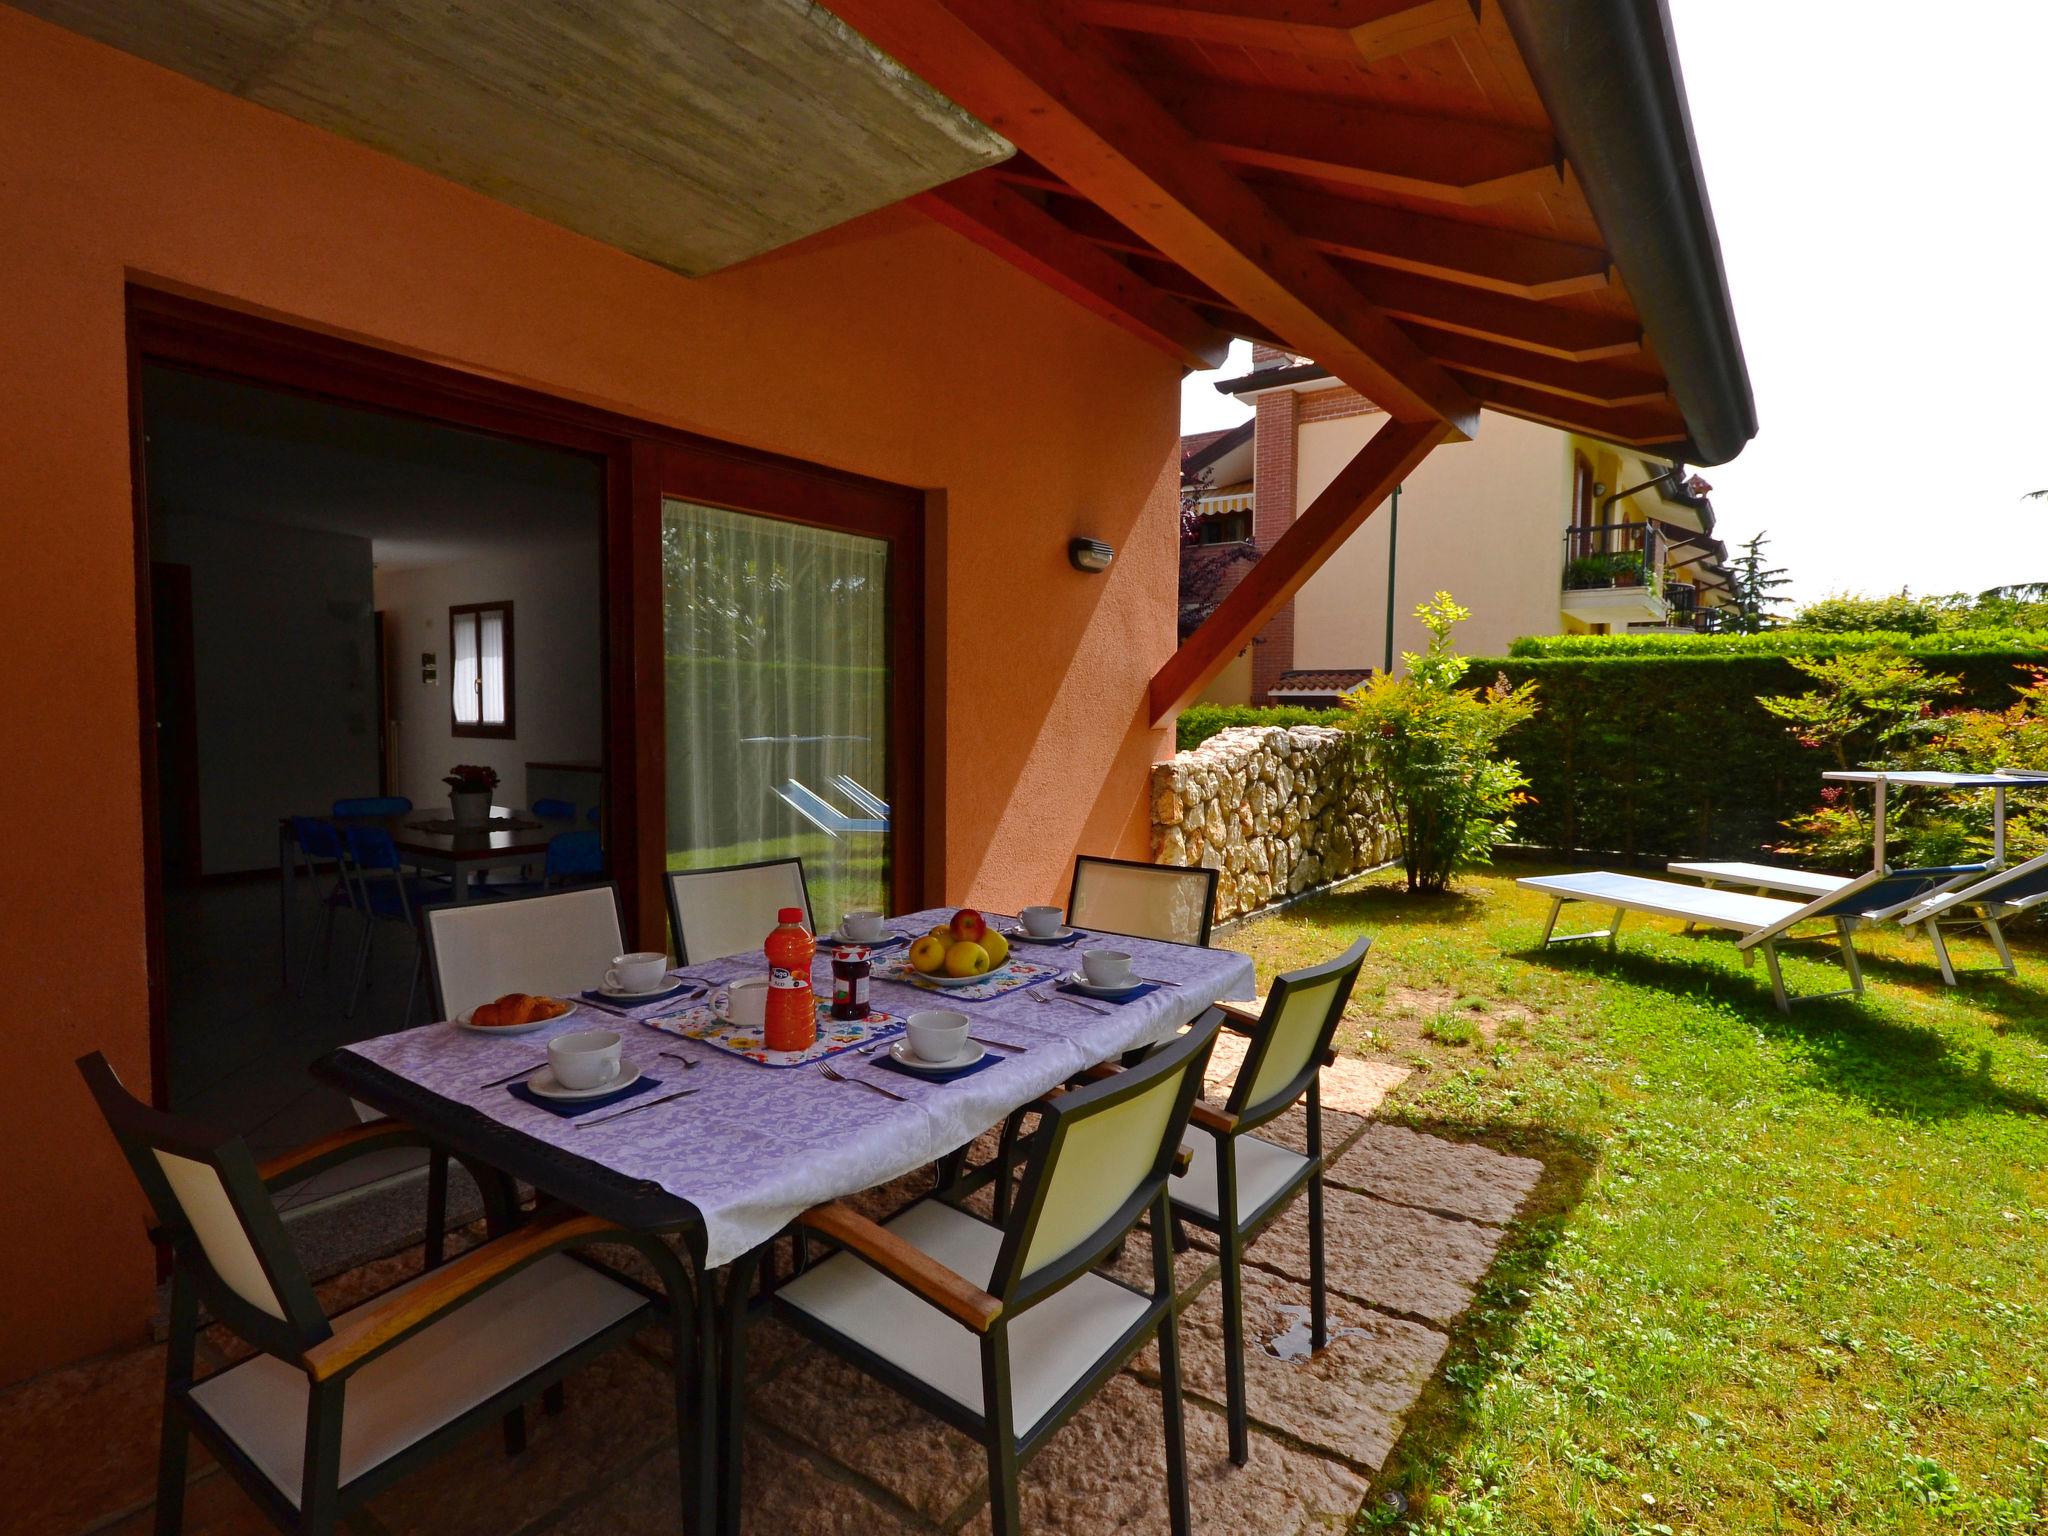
[[383, 892], [373, 805], [595, 815], [319, 855], [554, 810], [574, 858]]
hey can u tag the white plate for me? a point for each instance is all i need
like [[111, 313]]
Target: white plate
[[542, 1084], [889, 940], [462, 1022], [1022, 935], [996, 974], [1079, 981], [900, 1053]]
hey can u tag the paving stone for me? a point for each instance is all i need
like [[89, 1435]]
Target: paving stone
[[620, 1408], [837, 1409], [787, 1494], [1354, 1086], [79, 1444], [1105, 1471], [215, 1505], [1385, 1255], [1349, 1401], [1414, 1168]]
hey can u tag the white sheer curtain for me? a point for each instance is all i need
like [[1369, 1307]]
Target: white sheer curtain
[[491, 664], [777, 657], [462, 640]]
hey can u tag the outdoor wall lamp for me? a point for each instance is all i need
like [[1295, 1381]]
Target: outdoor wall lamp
[[1090, 555]]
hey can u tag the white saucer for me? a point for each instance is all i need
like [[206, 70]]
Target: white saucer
[[1022, 935], [900, 1053], [841, 941], [996, 973], [462, 1022], [1079, 981], [542, 1084]]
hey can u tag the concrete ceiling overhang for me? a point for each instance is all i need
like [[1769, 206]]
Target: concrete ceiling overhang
[[692, 133]]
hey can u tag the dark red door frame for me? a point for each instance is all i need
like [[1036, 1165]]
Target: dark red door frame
[[643, 461]]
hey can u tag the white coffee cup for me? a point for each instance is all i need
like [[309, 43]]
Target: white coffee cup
[[1107, 968], [936, 1034], [863, 926], [1041, 922], [586, 1058], [743, 1002], [640, 971]]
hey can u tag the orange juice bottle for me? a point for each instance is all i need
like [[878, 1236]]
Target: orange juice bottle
[[792, 1011]]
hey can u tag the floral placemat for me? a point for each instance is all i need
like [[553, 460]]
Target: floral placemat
[[834, 1035], [1015, 974]]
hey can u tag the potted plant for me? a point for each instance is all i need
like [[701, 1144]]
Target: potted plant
[[470, 786], [1626, 569]]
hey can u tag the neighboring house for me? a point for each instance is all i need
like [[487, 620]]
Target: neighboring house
[[1537, 530]]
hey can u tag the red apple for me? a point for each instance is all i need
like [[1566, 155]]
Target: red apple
[[968, 926]]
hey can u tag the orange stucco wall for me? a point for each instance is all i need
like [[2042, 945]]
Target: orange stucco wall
[[889, 347]]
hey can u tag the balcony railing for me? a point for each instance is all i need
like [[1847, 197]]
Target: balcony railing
[[1613, 555]]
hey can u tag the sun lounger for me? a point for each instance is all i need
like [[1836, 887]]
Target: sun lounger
[[1999, 895], [1760, 922], [1761, 878]]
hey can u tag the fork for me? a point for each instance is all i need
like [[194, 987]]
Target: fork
[[1040, 997], [689, 1063], [831, 1073]]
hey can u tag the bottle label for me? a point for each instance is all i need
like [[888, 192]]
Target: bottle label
[[783, 976]]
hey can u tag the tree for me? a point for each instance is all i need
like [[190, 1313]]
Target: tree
[[1755, 587], [1192, 489]]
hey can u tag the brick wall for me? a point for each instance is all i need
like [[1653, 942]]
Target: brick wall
[[1334, 404]]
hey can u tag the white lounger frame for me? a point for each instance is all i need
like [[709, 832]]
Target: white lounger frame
[[1934, 914]]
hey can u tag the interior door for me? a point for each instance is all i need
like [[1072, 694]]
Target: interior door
[[177, 720]]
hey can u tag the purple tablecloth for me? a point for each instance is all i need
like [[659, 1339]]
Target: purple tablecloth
[[754, 1147]]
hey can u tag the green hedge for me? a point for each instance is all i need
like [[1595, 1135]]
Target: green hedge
[[1652, 747], [1660, 756]]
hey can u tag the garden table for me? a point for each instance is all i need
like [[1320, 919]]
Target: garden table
[[1879, 779], [726, 1168]]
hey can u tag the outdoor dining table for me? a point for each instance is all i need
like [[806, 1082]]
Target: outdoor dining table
[[726, 1168]]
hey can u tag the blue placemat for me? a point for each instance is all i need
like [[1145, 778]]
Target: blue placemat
[[989, 1058], [568, 1109], [676, 989], [1019, 936], [1116, 1000], [886, 941]]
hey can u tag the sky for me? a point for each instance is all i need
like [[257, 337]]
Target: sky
[[1880, 183]]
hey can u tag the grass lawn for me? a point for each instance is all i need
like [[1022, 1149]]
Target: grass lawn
[[1782, 1274]]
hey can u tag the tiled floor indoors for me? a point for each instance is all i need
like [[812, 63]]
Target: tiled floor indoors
[[1414, 1222]]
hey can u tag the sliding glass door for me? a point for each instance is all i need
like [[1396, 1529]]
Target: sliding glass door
[[778, 679]]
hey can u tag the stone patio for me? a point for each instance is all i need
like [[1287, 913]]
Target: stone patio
[[1415, 1221]]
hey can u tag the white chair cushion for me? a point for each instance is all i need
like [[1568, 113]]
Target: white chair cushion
[[1052, 1345], [1263, 1170], [437, 1375]]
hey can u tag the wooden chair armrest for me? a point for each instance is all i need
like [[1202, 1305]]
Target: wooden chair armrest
[[952, 1293], [1183, 1159], [377, 1325], [1237, 1017], [1217, 1122], [339, 1147]]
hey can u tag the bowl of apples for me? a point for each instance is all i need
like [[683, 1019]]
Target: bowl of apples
[[961, 952]]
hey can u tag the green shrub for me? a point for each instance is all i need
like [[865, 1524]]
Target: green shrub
[[1787, 642], [1430, 745], [1198, 722]]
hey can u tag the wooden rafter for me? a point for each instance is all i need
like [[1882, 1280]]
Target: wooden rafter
[[1603, 383], [1037, 78], [1329, 29], [1013, 227], [1388, 457], [1637, 426], [1445, 159]]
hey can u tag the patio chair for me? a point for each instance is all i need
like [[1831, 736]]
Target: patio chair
[[1238, 1184], [1986, 904], [328, 1411], [557, 942], [731, 911], [383, 891], [319, 855], [1762, 922], [373, 805], [573, 858], [554, 810], [1144, 901], [1005, 1331]]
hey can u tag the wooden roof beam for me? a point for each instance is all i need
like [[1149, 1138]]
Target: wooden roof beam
[[1022, 233], [1042, 82], [1327, 29], [1600, 383], [1388, 457], [1444, 159], [1639, 426]]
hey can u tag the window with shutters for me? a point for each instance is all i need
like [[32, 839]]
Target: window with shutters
[[480, 671]]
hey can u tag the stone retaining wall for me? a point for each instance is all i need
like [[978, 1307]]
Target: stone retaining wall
[[1277, 810]]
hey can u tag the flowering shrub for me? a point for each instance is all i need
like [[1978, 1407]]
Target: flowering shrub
[[1429, 745]]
